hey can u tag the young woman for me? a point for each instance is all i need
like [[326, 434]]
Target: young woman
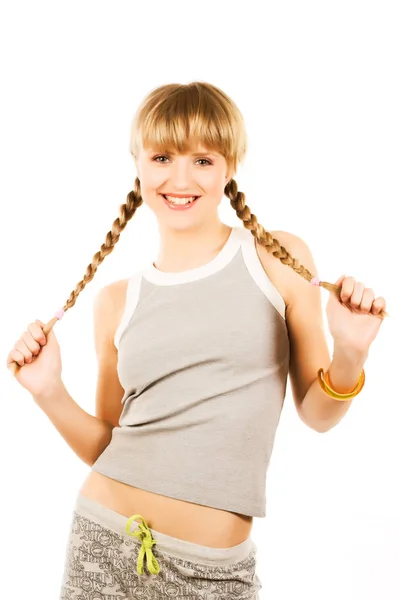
[[194, 352]]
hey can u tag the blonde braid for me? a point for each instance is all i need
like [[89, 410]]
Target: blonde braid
[[272, 245], [127, 211], [265, 238]]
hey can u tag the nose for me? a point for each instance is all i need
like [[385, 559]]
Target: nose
[[182, 174]]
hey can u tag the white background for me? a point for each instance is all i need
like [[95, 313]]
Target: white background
[[317, 83]]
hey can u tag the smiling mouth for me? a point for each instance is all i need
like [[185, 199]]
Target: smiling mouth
[[179, 200]]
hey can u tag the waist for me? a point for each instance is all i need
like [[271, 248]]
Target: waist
[[187, 521], [220, 474]]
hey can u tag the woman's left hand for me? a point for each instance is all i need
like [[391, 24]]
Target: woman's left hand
[[352, 324]]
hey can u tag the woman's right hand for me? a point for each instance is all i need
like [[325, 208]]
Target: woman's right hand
[[39, 359]]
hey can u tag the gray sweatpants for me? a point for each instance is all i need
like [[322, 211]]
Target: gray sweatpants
[[111, 557]]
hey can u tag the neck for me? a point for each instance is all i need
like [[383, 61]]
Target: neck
[[185, 249]]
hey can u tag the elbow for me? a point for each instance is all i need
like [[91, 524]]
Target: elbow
[[319, 426], [102, 444], [324, 428]]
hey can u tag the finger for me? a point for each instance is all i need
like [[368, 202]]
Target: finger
[[37, 332], [16, 356], [367, 301], [31, 343], [348, 285], [357, 295], [379, 304], [24, 350], [340, 280]]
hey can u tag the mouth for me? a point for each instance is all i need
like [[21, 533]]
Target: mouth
[[180, 203]]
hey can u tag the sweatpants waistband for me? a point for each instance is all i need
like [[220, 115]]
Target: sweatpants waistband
[[176, 547]]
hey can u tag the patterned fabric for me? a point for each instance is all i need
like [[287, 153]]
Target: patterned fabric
[[102, 564]]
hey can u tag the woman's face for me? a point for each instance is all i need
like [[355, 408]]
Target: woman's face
[[199, 173]]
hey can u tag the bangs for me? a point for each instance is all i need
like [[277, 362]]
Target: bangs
[[181, 118]]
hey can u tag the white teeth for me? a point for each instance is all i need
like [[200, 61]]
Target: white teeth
[[180, 200]]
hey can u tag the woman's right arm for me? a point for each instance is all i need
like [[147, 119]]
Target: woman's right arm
[[40, 369], [88, 436]]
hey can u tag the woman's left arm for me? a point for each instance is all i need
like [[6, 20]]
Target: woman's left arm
[[353, 327]]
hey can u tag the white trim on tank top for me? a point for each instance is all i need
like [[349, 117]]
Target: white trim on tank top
[[258, 273], [229, 249], [131, 301], [239, 237]]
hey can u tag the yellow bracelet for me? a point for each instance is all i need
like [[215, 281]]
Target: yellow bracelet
[[325, 384]]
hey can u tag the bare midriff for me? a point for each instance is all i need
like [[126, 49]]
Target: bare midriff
[[187, 521]]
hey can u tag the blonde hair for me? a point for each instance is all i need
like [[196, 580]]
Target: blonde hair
[[173, 117]]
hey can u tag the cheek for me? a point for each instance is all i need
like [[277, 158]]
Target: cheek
[[149, 184], [151, 198], [152, 179], [211, 183], [216, 190]]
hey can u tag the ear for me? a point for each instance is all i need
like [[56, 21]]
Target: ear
[[228, 177]]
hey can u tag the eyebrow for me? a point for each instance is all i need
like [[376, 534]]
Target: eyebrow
[[209, 153]]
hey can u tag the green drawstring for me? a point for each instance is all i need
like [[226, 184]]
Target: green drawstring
[[144, 534]]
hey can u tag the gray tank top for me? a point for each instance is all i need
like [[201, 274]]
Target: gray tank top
[[203, 357]]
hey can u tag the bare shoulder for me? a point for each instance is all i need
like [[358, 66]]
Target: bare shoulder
[[108, 309], [109, 305], [308, 344], [283, 277]]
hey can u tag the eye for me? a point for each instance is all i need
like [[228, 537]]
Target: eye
[[208, 162], [162, 156]]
